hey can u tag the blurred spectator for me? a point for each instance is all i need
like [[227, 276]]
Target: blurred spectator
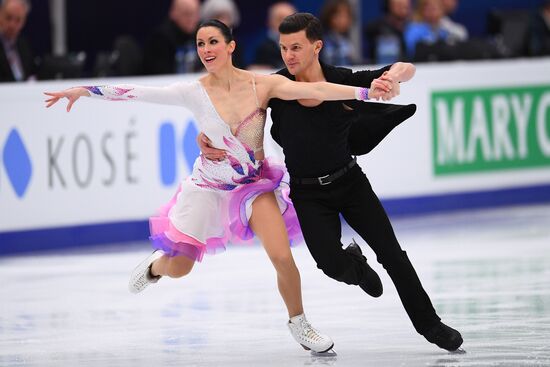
[[171, 47], [16, 59], [125, 58], [337, 19], [223, 10], [385, 35], [509, 31], [457, 32], [226, 12], [268, 54], [426, 27], [539, 43]]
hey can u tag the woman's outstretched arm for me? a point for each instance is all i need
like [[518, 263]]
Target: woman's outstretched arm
[[171, 95], [284, 88]]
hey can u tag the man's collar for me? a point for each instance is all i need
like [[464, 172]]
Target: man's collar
[[286, 73], [331, 73]]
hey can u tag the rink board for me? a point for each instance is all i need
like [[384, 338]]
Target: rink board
[[480, 138]]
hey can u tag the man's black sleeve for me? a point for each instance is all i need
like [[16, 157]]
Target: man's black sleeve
[[374, 121], [364, 78]]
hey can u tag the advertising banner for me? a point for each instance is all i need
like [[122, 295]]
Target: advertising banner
[[480, 137]]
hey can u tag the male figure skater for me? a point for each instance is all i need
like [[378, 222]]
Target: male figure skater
[[318, 140]]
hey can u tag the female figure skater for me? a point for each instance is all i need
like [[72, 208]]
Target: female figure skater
[[239, 196]]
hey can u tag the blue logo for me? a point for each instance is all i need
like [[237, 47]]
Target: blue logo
[[17, 163], [168, 150]]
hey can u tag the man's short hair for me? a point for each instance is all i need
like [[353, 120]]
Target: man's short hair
[[303, 21]]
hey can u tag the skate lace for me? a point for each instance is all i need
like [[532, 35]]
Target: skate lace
[[142, 279], [310, 332]]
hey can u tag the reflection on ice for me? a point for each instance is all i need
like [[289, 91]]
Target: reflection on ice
[[487, 273]]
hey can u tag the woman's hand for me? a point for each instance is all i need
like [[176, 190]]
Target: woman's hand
[[72, 94], [384, 84], [384, 88]]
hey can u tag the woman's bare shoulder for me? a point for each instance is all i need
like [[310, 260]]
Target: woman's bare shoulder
[[269, 79]]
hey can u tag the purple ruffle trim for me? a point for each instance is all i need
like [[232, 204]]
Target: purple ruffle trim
[[271, 179], [165, 237]]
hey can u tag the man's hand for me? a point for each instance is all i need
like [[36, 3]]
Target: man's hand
[[205, 145], [391, 87], [399, 72]]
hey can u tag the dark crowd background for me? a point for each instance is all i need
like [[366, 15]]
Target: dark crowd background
[[93, 25]]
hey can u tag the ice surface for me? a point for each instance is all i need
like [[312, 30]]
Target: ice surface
[[487, 272]]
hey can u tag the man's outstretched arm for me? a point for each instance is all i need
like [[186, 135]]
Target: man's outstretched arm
[[394, 74], [401, 72]]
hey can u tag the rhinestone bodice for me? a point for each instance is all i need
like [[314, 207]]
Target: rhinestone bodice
[[250, 131]]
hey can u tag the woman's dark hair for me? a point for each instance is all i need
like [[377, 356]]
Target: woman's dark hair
[[302, 21], [224, 29]]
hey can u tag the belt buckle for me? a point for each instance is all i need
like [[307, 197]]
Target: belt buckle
[[321, 182]]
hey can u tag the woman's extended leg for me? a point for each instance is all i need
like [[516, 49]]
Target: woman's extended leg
[[155, 266], [174, 267], [267, 223]]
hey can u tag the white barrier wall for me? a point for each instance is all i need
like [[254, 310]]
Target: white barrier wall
[[98, 163], [479, 126]]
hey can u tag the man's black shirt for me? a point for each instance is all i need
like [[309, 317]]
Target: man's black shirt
[[315, 139]]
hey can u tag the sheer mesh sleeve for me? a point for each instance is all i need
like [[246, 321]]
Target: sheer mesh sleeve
[[174, 94]]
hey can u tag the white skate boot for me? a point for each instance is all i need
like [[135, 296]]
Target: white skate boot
[[307, 336], [141, 276]]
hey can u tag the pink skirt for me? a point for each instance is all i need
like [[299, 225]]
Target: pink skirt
[[200, 221]]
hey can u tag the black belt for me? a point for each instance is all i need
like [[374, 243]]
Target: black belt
[[326, 179]]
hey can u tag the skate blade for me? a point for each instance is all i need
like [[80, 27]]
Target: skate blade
[[458, 351], [327, 354]]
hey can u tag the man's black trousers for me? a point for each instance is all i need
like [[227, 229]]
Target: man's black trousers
[[318, 208]]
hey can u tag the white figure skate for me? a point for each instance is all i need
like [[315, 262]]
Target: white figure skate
[[141, 276], [307, 336]]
